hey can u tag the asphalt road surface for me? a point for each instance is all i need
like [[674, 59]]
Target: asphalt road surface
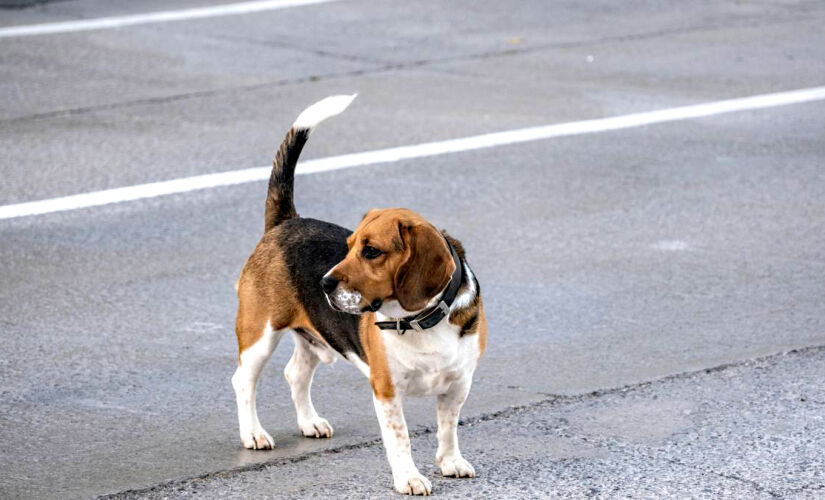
[[704, 435], [607, 259]]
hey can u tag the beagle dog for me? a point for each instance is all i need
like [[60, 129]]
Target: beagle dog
[[395, 297]]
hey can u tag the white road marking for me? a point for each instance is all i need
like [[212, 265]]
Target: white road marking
[[164, 16], [186, 184], [670, 245]]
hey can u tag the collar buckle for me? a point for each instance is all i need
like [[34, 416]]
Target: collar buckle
[[398, 329], [444, 308], [440, 307]]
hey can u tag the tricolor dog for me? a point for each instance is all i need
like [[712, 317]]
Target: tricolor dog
[[395, 298]]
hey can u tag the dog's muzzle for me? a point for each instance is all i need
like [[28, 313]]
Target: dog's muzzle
[[340, 298]]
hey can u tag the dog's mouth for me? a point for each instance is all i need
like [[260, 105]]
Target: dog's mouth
[[373, 306], [347, 301], [350, 301]]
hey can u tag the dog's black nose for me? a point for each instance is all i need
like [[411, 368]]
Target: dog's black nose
[[328, 283]]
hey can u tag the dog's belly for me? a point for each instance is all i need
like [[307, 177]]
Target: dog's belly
[[431, 362]]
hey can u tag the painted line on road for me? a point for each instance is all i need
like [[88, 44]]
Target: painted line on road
[[198, 182], [164, 16]]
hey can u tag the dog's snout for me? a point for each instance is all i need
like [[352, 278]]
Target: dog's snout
[[328, 283]]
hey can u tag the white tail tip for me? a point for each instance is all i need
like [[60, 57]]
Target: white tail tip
[[323, 109]]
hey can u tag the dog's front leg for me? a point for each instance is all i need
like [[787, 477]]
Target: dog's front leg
[[448, 456], [405, 475]]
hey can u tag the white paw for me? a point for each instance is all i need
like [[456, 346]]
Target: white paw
[[456, 467], [317, 427], [413, 484], [258, 439]]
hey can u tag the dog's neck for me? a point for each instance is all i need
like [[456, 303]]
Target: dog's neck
[[459, 293], [391, 310], [435, 311]]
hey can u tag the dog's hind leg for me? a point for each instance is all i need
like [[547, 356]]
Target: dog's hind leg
[[448, 457], [245, 381], [299, 372]]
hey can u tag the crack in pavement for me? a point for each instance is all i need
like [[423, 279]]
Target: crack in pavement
[[809, 487], [298, 47], [622, 449], [550, 400], [385, 67]]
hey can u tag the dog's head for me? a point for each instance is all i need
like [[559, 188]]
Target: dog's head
[[397, 262]]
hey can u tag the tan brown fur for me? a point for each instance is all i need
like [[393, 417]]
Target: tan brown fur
[[472, 320], [482, 329], [266, 295], [380, 377], [468, 318]]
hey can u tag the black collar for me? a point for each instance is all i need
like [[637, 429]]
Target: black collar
[[430, 317]]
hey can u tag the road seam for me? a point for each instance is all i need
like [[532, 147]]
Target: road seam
[[550, 400], [383, 67]]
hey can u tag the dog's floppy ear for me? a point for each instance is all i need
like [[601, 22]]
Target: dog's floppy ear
[[426, 268]]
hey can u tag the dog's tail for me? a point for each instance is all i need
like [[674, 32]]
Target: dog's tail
[[279, 203]]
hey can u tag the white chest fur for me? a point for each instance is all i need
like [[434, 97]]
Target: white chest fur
[[431, 361]]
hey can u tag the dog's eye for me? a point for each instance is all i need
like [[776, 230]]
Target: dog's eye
[[370, 253]]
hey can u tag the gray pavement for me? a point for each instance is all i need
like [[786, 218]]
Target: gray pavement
[[753, 430], [606, 260]]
